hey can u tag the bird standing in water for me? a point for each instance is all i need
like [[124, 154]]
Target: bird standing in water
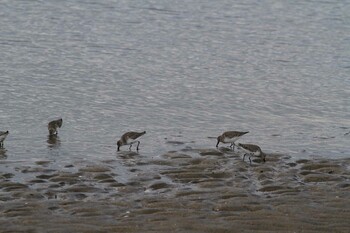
[[54, 125], [3, 135], [130, 138], [230, 137], [252, 150]]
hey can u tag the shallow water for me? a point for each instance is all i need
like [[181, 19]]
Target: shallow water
[[184, 72], [192, 71], [179, 71]]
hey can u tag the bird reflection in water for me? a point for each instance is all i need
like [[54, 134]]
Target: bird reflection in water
[[3, 153], [53, 141]]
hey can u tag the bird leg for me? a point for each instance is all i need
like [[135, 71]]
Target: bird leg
[[250, 161], [138, 143], [130, 146], [233, 146], [244, 156]]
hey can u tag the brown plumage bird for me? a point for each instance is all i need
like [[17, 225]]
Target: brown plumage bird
[[3, 135], [129, 138], [54, 125], [252, 150], [230, 137]]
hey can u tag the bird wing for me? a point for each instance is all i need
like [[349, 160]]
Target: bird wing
[[249, 147]]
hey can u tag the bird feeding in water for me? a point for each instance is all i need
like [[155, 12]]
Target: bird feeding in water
[[230, 137], [3, 135], [130, 138], [252, 150], [54, 125]]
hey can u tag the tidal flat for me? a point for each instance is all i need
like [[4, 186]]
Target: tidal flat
[[187, 190]]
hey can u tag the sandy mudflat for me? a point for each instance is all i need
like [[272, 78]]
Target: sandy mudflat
[[191, 190]]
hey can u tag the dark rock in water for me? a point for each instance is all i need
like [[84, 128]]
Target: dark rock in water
[[7, 175], [80, 196], [343, 185], [42, 162], [266, 182], [187, 149], [102, 177], [175, 142], [53, 186], [29, 195], [116, 184], [53, 208], [65, 178], [302, 161], [94, 169], [258, 160], [134, 170], [286, 157], [291, 164], [204, 152], [82, 189], [175, 155], [305, 173], [159, 185], [9, 186], [219, 175], [50, 195], [233, 206], [46, 176], [162, 162], [37, 169], [321, 178], [36, 181], [196, 161], [271, 188], [316, 166], [111, 180]]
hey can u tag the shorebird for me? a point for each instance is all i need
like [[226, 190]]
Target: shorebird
[[53, 125], [129, 138], [252, 150], [3, 135], [230, 137]]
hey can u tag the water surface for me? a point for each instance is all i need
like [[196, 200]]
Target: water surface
[[180, 71]]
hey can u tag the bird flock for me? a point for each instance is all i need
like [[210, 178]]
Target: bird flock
[[130, 138]]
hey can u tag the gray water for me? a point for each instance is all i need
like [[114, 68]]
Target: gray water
[[182, 71]]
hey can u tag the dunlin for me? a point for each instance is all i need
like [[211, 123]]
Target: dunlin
[[252, 150], [129, 138], [230, 137], [53, 125], [3, 135]]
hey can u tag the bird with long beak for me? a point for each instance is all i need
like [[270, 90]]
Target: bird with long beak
[[230, 137]]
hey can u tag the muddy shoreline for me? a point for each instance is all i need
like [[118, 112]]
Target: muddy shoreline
[[189, 190]]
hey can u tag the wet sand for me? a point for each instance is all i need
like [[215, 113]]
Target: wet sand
[[189, 190]]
